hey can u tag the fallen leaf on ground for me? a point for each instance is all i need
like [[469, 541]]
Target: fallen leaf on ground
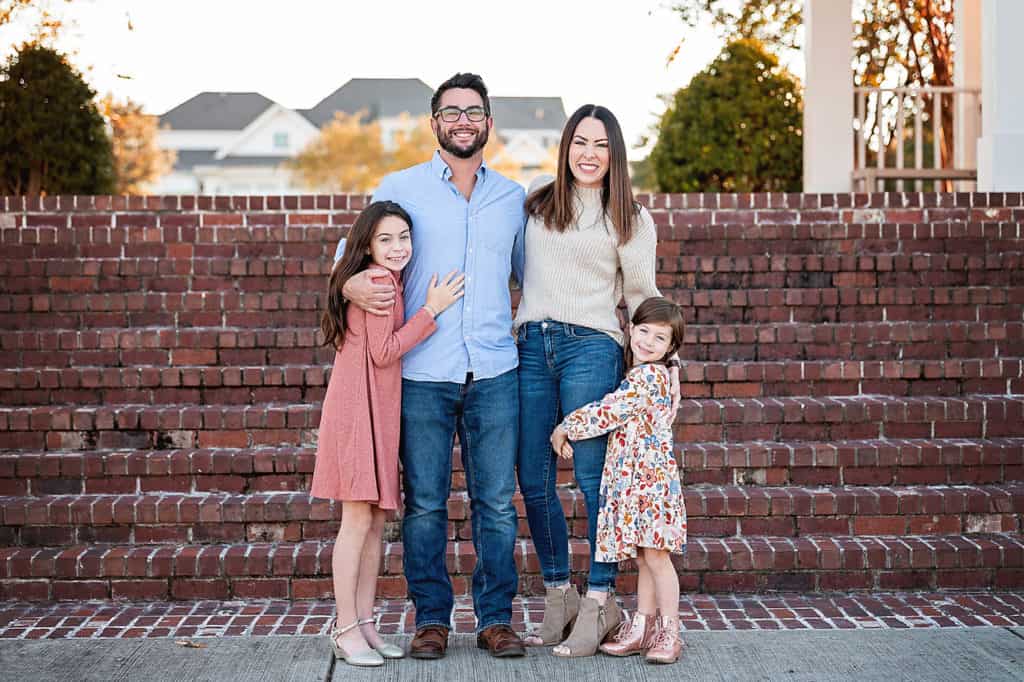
[[189, 644]]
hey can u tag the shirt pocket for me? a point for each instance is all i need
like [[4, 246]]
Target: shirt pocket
[[498, 241]]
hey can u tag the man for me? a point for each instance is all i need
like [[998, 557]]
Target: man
[[462, 379]]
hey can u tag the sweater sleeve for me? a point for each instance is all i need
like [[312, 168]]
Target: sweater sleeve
[[387, 345], [610, 412], [637, 261]]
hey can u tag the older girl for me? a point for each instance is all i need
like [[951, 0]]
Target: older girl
[[357, 451]]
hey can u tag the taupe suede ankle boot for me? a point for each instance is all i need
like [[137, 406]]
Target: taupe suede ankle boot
[[561, 607], [593, 625]]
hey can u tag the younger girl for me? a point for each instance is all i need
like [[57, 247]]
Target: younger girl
[[642, 514], [357, 455]]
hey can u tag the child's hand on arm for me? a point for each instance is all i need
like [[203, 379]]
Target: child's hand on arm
[[560, 442], [441, 295]]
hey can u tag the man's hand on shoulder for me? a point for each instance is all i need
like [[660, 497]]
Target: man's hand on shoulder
[[374, 294]]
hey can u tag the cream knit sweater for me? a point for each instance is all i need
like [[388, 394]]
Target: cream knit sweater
[[580, 275]]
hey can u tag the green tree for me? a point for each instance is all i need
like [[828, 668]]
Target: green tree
[[52, 138], [735, 128], [896, 43], [641, 175]]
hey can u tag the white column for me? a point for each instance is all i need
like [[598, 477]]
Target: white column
[[828, 95], [1001, 147], [967, 74]]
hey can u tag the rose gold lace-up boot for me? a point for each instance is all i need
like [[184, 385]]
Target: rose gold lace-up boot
[[667, 644], [632, 638]]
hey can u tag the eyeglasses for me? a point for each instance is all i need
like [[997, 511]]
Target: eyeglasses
[[453, 114]]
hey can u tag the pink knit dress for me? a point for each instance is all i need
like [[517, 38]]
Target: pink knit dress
[[357, 451]]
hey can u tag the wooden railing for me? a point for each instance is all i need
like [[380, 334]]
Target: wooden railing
[[892, 123]]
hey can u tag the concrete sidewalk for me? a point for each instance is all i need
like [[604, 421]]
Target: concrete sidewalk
[[954, 654]]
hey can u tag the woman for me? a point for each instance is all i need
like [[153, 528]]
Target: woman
[[588, 245]]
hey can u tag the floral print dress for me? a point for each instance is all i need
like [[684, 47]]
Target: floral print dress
[[641, 494]]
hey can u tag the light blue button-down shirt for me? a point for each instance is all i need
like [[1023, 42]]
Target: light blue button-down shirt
[[482, 237]]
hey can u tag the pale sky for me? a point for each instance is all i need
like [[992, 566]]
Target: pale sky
[[610, 52]]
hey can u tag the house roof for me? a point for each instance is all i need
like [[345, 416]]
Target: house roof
[[217, 111], [528, 113], [190, 158], [185, 159], [380, 97]]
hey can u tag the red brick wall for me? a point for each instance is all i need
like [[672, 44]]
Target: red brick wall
[[851, 358]]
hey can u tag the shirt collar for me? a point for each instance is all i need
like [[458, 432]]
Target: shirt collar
[[441, 169]]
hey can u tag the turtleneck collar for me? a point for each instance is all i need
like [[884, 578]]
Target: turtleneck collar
[[588, 195]]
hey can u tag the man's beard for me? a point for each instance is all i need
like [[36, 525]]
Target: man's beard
[[448, 144]]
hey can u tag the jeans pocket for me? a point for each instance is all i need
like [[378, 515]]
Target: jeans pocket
[[580, 332]]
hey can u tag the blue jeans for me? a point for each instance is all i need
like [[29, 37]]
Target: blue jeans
[[561, 368], [485, 414]]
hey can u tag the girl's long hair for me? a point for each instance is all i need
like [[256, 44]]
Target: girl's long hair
[[355, 259], [658, 310], [553, 203]]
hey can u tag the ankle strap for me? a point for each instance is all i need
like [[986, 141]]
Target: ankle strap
[[335, 631], [367, 621]]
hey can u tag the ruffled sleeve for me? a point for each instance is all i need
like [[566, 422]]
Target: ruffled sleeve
[[610, 412]]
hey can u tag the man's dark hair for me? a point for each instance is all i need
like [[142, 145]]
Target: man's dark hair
[[470, 81]]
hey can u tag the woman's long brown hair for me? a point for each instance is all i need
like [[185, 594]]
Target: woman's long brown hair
[[553, 203], [355, 259]]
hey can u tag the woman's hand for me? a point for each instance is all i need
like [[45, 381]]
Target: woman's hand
[[441, 295], [673, 376], [560, 442]]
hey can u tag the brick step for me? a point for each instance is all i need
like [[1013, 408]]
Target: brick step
[[780, 270], [230, 384], [858, 231], [237, 347], [301, 570], [230, 470], [204, 270], [250, 309], [157, 426], [854, 341], [817, 305], [724, 511], [283, 469], [852, 377], [157, 222], [724, 420], [848, 418], [939, 461], [877, 462]]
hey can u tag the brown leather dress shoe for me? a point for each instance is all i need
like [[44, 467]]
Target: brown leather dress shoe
[[501, 642], [431, 641]]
